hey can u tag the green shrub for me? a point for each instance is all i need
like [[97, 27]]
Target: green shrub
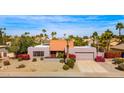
[[20, 59], [121, 66], [60, 55], [62, 61], [21, 66], [34, 60], [6, 62], [118, 60], [70, 64], [65, 67], [71, 60]]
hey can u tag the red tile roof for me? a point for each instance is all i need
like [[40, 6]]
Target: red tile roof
[[60, 45]]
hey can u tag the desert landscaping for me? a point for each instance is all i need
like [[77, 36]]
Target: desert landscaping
[[49, 53]]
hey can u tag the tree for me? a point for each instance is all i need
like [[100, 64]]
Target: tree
[[15, 45], [67, 47], [20, 44], [2, 36], [44, 31], [64, 35], [119, 27], [71, 37], [107, 36], [78, 41], [53, 34], [94, 36], [45, 36], [41, 36]]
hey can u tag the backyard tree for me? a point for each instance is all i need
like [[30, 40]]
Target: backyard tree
[[45, 36], [78, 41], [25, 42], [119, 27], [106, 37], [95, 37], [41, 36], [53, 34], [20, 44], [67, 47], [2, 35]]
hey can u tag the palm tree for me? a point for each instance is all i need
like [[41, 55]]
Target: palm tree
[[67, 47], [44, 35], [71, 37], [107, 38], [41, 35], [94, 36], [119, 26], [44, 31], [2, 35], [26, 33], [53, 34], [64, 35]]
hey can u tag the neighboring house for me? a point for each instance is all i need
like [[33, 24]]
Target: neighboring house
[[3, 51], [81, 52], [119, 47]]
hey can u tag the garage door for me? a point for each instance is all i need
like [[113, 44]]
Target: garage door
[[84, 55]]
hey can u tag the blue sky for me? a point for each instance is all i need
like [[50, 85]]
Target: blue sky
[[77, 25]]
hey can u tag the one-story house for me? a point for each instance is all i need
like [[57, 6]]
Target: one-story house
[[81, 52], [119, 48]]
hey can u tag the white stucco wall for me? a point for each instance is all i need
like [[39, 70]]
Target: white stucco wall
[[40, 48], [84, 52]]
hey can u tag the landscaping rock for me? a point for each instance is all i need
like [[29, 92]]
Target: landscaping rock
[[21, 66], [6, 62], [34, 60]]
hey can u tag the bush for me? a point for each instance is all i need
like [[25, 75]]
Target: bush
[[60, 55], [34, 60], [121, 66], [70, 62], [6, 62], [23, 56], [20, 59], [72, 56], [62, 61], [21, 66], [65, 67], [99, 59], [41, 58], [118, 60]]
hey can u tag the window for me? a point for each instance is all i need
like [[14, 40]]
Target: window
[[38, 53]]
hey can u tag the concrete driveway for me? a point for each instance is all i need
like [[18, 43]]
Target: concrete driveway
[[90, 66]]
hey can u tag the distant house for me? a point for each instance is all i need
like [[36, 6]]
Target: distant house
[[81, 52], [3, 51], [119, 47]]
